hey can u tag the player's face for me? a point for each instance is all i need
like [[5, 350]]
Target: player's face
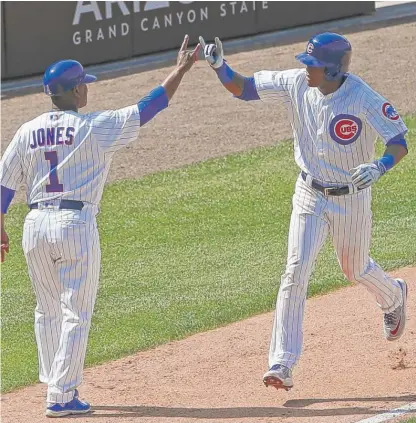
[[315, 76]]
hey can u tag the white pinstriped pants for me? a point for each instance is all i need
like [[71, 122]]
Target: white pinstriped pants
[[348, 220], [63, 255]]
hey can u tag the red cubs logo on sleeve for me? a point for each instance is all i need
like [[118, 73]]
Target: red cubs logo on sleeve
[[389, 111], [345, 129]]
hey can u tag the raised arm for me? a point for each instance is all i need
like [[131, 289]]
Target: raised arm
[[240, 86], [185, 60], [114, 129], [158, 99]]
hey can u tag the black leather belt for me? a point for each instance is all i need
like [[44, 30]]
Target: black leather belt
[[327, 190], [63, 204]]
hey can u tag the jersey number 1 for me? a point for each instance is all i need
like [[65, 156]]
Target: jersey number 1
[[54, 185]]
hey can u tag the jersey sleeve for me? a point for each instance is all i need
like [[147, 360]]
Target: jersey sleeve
[[276, 85], [114, 129], [11, 166], [383, 118]]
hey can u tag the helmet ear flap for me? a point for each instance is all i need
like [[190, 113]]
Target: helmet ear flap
[[333, 73], [346, 61], [337, 71]]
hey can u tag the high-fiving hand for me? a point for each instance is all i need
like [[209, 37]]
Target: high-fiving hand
[[214, 53], [186, 58]]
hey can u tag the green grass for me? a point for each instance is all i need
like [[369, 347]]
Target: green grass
[[412, 420], [192, 249]]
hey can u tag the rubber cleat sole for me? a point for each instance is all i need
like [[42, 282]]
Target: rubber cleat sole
[[276, 383], [57, 414]]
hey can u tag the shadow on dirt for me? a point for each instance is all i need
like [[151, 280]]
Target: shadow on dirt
[[247, 412], [309, 401]]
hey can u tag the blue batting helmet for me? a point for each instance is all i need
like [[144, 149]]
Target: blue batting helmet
[[330, 51], [64, 76]]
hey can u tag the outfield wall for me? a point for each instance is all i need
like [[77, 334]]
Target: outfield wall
[[35, 34]]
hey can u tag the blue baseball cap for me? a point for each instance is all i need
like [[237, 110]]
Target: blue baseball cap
[[63, 76]]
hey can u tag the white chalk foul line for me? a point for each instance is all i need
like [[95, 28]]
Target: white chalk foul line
[[390, 415]]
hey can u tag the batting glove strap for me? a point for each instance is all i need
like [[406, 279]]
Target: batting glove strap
[[380, 166]]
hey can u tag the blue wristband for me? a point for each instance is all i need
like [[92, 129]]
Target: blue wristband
[[225, 73], [385, 163]]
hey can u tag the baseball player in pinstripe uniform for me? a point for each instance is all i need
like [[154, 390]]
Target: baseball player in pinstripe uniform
[[63, 158], [336, 118]]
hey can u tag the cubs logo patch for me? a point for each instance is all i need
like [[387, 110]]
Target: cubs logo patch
[[345, 129], [309, 48], [389, 111]]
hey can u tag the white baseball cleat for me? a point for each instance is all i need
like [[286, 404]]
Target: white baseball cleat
[[279, 376], [395, 322]]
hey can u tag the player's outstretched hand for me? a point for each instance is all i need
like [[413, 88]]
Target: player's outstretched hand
[[364, 175], [186, 58], [4, 245], [214, 53]]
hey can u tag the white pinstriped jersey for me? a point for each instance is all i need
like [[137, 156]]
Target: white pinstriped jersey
[[332, 133], [64, 154]]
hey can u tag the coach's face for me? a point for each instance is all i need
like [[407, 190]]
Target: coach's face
[[81, 94], [315, 76]]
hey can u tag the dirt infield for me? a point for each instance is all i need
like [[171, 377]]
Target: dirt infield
[[348, 371]]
